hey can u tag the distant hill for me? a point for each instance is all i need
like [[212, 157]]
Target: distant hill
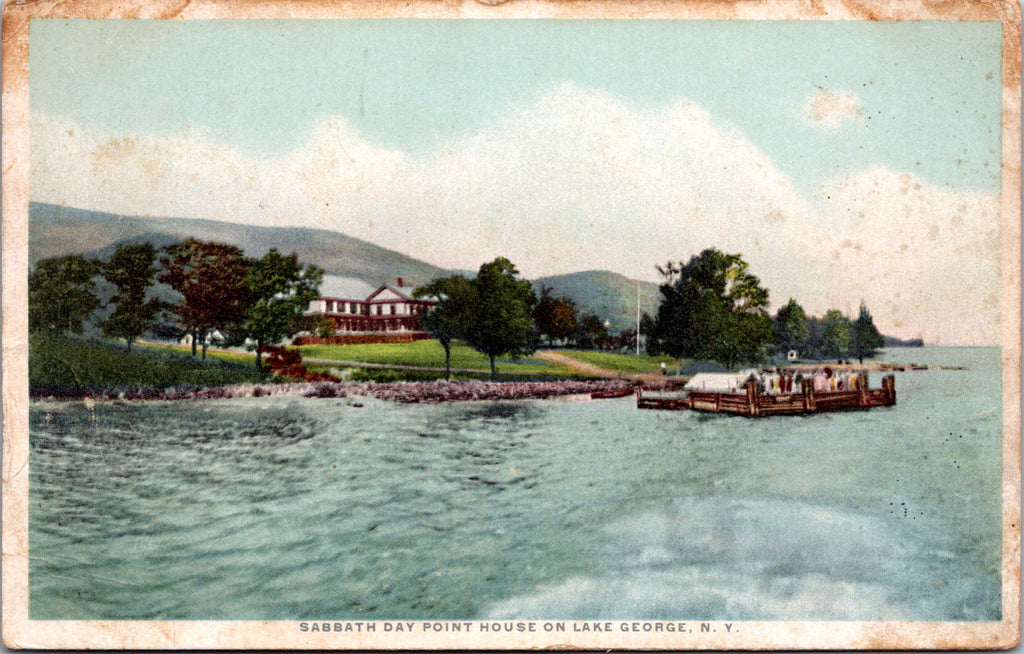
[[607, 295], [892, 341], [56, 230]]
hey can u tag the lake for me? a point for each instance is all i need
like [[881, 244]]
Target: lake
[[305, 508]]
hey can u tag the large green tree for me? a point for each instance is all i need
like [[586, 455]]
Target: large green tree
[[501, 316], [591, 333], [866, 337], [714, 309], [837, 335], [278, 292], [210, 277], [792, 330], [62, 294], [132, 271], [448, 319], [555, 317]]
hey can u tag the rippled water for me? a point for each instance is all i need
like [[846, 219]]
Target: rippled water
[[304, 508]]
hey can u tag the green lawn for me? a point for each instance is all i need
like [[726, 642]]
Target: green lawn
[[427, 353], [622, 362], [233, 357], [70, 366]]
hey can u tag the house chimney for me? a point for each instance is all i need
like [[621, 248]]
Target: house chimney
[[400, 284]]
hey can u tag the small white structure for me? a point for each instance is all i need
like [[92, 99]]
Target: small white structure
[[213, 337], [792, 355], [721, 382]]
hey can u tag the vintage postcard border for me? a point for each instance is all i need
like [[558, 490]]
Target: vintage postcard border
[[21, 632]]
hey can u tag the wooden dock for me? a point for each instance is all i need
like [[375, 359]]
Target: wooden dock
[[753, 403]]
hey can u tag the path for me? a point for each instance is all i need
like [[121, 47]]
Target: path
[[590, 369]]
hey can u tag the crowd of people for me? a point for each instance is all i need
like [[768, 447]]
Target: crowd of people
[[825, 380]]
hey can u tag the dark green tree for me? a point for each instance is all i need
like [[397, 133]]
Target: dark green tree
[[815, 344], [210, 277], [837, 335], [647, 331], [591, 333], [132, 271], [447, 320], [713, 309], [792, 330], [555, 317], [278, 292], [62, 294], [866, 337], [316, 324], [501, 317]]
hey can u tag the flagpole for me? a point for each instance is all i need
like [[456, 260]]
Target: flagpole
[[638, 318]]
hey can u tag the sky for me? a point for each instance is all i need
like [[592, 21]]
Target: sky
[[846, 161]]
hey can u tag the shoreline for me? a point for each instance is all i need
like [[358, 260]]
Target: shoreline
[[431, 392]]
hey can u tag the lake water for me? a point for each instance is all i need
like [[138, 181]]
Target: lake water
[[304, 508]]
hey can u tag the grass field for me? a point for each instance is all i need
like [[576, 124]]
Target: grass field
[[72, 366], [427, 353], [231, 357], [621, 362]]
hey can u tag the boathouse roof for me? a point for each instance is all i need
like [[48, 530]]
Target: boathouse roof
[[720, 381]]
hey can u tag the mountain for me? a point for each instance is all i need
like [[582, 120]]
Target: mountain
[[609, 296], [55, 230]]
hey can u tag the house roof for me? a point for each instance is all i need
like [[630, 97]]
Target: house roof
[[387, 291], [344, 288]]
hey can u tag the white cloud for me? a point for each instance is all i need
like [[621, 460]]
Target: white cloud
[[832, 109], [923, 257], [579, 180]]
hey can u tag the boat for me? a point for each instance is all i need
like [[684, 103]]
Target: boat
[[608, 395], [744, 394]]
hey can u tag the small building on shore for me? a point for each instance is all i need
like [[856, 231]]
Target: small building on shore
[[358, 309]]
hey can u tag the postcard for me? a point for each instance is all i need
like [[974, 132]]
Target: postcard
[[528, 324]]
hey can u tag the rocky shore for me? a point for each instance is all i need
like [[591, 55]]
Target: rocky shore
[[399, 392]]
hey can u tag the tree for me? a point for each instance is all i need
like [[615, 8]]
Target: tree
[[61, 294], [792, 331], [647, 330], [866, 337], [278, 292], [713, 309], [447, 320], [316, 324], [592, 333], [132, 271], [210, 278], [837, 335], [501, 316], [555, 317], [815, 344]]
